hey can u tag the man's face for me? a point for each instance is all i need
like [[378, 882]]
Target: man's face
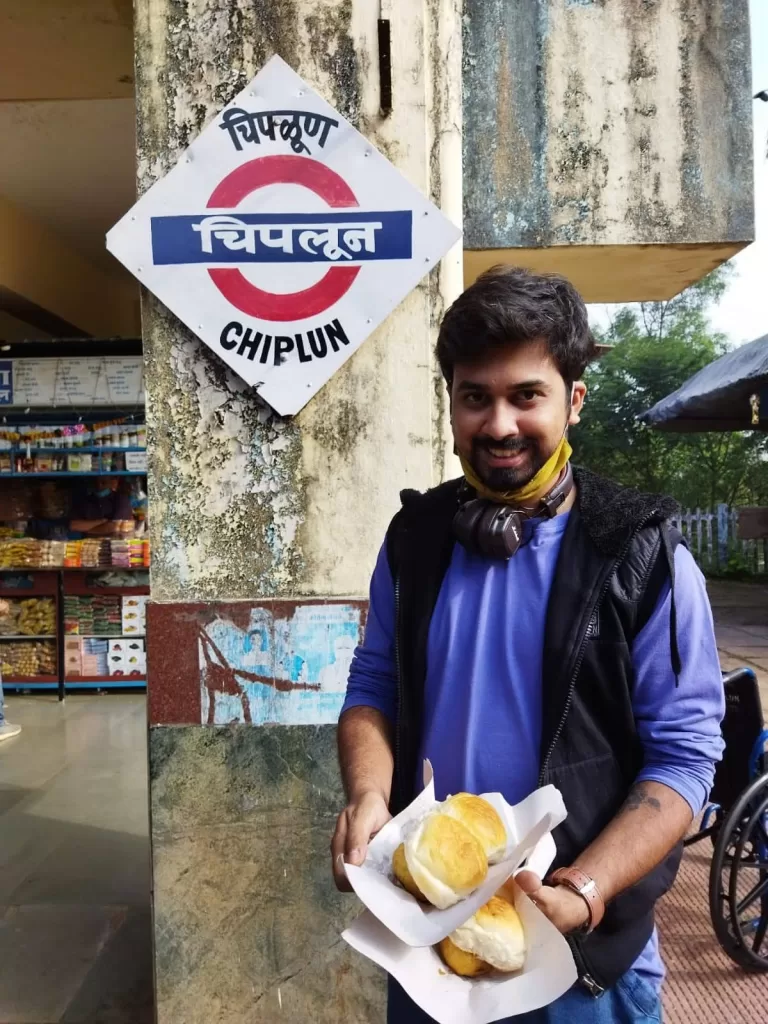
[[509, 413]]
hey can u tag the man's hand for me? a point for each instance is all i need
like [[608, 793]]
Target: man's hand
[[564, 908], [358, 823]]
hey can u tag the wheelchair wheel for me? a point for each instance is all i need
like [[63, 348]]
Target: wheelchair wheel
[[738, 881]]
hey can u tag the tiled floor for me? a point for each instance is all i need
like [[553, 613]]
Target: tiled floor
[[75, 937]]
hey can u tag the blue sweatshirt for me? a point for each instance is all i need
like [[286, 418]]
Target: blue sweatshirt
[[483, 691]]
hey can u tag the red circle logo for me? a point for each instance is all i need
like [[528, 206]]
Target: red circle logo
[[281, 170]]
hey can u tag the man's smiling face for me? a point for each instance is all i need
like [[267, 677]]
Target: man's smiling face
[[510, 411]]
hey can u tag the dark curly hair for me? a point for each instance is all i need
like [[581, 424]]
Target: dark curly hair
[[508, 305]]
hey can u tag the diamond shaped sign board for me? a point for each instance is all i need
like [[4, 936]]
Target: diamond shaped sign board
[[282, 238]]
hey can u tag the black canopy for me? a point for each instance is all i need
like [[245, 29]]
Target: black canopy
[[718, 397]]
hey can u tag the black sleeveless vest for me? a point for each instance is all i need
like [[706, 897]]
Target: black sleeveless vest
[[616, 555]]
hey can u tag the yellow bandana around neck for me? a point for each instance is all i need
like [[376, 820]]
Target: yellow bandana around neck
[[551, 470]]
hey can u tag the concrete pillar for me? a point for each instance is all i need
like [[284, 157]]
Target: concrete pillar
[[611, 142], [265, 530]]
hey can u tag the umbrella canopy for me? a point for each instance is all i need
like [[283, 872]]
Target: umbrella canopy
[[719, 397]]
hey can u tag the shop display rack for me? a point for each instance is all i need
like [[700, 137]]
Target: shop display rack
[[55, 583]]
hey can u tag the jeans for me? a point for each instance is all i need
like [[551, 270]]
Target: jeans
[[632, 1000], [2, 702]]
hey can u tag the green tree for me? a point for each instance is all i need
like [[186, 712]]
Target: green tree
[[655, 348]]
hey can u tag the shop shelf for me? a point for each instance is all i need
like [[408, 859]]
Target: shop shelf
[[88, 450], [31, 681], [27, 636], [108, 636], [45, 476], [41, 587], [22, 570], [103, 681]]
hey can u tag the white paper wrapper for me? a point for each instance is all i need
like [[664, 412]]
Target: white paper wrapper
[[416, 924], [549, 971]]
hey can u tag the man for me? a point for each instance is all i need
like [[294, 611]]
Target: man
[[7, 731], [586, 658], [102, 511]]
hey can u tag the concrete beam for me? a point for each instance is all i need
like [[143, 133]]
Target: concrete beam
[[612, 273], [611, 142], [73, 50], [46, 283]]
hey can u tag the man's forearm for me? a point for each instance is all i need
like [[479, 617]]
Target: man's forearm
[[365, 752], [653, 819]]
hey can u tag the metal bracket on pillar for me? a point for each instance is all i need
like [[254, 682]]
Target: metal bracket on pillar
[[385, 67]]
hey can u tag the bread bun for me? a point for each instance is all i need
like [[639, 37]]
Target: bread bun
[[404, 876], [466, 964], [446, 861], [494, 934], [482, 820]]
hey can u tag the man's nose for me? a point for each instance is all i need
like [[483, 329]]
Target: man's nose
[[501, 422]]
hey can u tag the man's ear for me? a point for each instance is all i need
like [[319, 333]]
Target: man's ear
[[578, 394]]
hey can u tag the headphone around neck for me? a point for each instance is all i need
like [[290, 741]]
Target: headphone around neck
[[488, 528]]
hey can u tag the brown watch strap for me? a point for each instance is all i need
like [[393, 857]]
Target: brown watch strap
[[583, 884]]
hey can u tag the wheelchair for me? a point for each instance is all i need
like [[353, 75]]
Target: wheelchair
[[736, 822]]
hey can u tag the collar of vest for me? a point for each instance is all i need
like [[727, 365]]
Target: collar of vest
[[610, 512]]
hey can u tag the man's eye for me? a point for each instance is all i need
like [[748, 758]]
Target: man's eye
[[528, 396], [474, 398]]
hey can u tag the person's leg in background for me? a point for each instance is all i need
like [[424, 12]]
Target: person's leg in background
[[6, 729], [632, 1000]]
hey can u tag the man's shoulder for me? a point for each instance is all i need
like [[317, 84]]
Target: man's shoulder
[[435, 497], [613, 512], [593, 487], [423, 524]]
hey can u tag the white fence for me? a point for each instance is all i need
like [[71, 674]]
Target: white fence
[[714, 540]]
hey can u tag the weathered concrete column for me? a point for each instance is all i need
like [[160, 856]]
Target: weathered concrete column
[[265, 530], [611, 142]]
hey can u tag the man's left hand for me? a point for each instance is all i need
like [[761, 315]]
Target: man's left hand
[[564, 908]]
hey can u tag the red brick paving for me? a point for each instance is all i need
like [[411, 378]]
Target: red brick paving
[[703, 985]]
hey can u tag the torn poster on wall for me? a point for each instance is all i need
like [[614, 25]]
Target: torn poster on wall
[[286, 669]]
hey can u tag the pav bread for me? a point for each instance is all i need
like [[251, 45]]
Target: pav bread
[[492, 937], [445, 860], [404, 876], [482, 819], [466, 964]]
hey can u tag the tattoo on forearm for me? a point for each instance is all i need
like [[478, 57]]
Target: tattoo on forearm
[[639, 797]]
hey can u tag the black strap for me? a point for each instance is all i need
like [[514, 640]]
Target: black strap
[[669, 553], [663, 571], [557, 497]]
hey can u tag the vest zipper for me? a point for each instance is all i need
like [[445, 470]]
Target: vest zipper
[[585, 978], [582, 649], [400, 790]]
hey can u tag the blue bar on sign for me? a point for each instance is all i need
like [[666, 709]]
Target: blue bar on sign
[[6, 382], [333, 237]]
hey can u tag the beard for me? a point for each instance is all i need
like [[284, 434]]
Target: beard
[[511, 478]]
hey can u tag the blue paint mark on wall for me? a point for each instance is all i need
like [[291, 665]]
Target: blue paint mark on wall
[[291, 671]]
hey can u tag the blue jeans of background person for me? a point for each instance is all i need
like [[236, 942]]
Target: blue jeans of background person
[[2, 703], [632, 1000]]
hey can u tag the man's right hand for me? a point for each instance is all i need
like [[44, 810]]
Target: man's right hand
[[357, 824]]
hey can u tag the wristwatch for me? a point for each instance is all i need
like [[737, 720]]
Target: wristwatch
[[580, 882]]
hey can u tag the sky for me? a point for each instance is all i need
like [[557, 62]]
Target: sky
[[742, 313]]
